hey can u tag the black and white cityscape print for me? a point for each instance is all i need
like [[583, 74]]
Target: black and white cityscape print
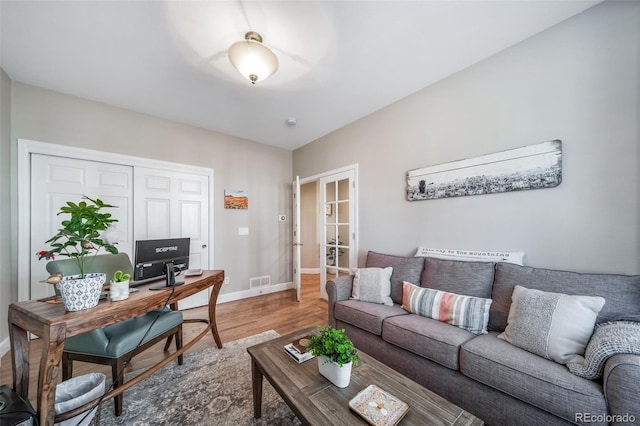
[[531, 167]]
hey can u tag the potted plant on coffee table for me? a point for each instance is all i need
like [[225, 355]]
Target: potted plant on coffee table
[[78, 238], [336, 354]]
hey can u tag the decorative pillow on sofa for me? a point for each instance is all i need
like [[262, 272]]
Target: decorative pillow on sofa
[[404, 269], [466, 312], [555, 326], [372, 285]]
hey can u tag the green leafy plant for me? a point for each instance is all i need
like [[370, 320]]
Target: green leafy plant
[[334, 344], [80, 235]]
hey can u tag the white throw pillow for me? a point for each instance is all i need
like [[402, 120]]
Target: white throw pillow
[[372, 285], [553, 325]]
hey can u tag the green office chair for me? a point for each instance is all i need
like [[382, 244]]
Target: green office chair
[[115, 344]]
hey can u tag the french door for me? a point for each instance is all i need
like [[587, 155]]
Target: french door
[[338, 248]]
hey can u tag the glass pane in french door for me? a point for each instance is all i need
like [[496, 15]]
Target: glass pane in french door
[[337, 232]]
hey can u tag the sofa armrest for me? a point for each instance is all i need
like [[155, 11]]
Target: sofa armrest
[[620, 383], [337, 289]]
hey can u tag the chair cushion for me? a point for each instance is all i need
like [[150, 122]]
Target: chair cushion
[[101, 263], [532, 379], [117, 339]]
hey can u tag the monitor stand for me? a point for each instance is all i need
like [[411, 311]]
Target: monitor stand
[[179, 280]]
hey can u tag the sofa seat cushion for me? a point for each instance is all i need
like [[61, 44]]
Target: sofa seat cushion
[[365, 315], [530, 378], [429, 338]]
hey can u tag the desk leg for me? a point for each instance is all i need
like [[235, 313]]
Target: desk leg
[[19, 356], [213, 301], [50, 371], [256, 379]]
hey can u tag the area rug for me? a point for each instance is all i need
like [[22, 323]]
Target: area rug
[[212, 387]]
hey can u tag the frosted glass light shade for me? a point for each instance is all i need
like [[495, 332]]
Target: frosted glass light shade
[[254, 60]]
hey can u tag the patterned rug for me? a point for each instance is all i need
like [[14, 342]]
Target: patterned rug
[[212, 387]]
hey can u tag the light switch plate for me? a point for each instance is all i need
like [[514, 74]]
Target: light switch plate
[[243, 230]]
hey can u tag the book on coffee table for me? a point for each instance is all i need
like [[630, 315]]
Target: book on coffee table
[[378, 407], [297, 350]]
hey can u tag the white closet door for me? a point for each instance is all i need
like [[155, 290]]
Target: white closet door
[[171, 204], [56, 180]]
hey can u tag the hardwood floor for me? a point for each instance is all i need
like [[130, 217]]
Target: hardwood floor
[[242, 318]]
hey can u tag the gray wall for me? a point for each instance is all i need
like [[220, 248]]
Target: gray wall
[[8, 292], [263, 171], [577, 82]]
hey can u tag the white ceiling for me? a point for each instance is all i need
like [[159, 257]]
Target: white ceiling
[[339, 60]]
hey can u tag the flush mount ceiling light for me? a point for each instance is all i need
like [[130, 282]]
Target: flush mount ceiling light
[[254, 60]]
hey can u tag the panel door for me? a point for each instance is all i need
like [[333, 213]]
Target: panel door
[[56, 180], [171, 204]]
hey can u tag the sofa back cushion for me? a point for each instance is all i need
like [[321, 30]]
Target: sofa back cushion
[[455, 276], [621, 292], [404, 269]]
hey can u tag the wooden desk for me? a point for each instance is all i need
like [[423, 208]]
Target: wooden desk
[[53, 325]]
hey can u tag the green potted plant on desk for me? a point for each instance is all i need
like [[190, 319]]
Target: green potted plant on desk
[[80, 237], [336, 354], [119, 287]]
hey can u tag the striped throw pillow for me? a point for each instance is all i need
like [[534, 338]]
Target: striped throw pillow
[[467, 312]]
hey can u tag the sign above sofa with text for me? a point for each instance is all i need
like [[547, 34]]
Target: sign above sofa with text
[[471, 255]]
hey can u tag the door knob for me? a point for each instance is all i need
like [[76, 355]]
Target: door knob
[[204, 246]]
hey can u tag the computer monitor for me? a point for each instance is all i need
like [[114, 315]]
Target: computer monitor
[[152, 255]]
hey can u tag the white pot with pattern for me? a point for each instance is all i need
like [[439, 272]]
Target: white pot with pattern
[[80, 293]]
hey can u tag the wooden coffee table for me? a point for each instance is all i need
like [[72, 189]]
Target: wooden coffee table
[[316, 401]]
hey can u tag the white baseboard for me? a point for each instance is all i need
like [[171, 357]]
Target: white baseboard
[[5, 346], [245, 294], [309, 270]]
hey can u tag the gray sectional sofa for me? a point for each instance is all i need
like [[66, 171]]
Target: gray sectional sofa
[[487, 376]]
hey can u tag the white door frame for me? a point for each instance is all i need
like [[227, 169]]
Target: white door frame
[[296, 236], [27, 147], [354, 225]]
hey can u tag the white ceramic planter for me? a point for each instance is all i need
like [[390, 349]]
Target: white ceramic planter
[[119, 290], [81, 293], [339, 376]]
